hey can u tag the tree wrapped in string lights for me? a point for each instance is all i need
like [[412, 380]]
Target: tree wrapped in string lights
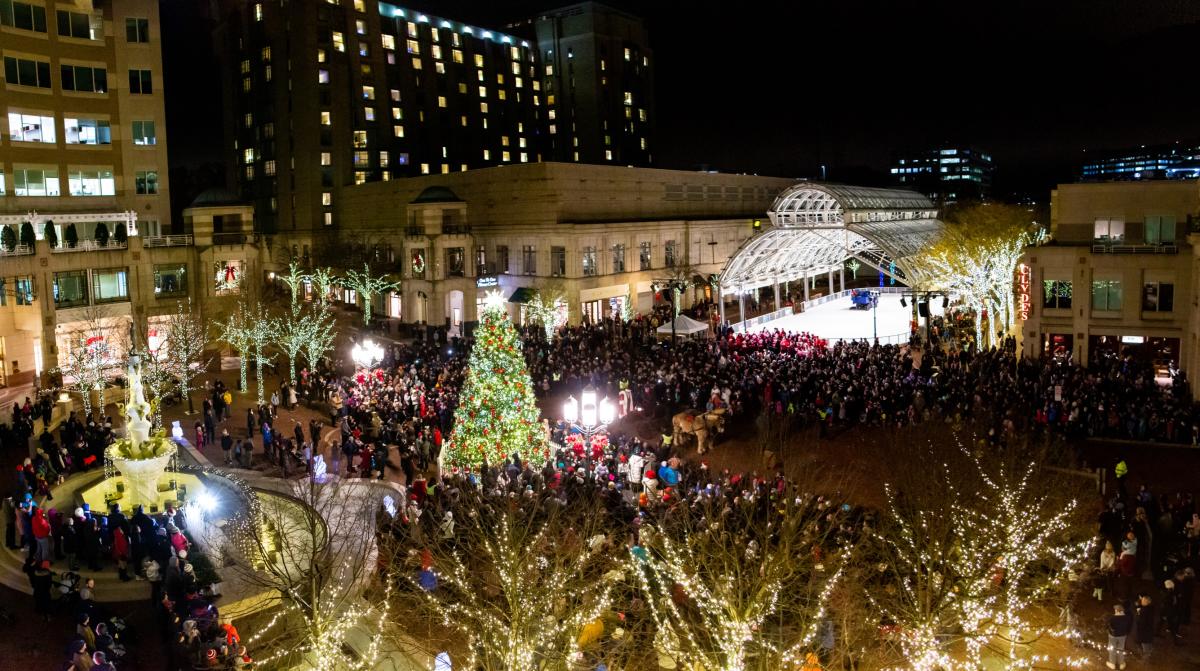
[[91, 352], [521, 584], [186, 341], [973, 557], [368, 284], [497, 415], [235, 330], [312, 556], [729, 590]]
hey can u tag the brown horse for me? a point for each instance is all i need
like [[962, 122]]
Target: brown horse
[[703, 426]]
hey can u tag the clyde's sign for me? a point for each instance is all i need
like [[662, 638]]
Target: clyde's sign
[[1024, 281]]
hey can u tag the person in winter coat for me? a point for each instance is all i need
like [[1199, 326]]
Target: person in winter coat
[[120, 553], [78, 656], [1118, 628], [40, 527], [1144, 623], [69, 542], [41, 580]]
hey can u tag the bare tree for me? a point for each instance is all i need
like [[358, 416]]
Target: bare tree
[[235, 330], [741, 585], [187, 348], [311, 555], [970, 552], [93, 351], [517, 579]]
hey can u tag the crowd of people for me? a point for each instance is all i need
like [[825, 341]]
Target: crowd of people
[[400, 414]]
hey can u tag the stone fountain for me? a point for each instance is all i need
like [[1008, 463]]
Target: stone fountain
[[141, 458]]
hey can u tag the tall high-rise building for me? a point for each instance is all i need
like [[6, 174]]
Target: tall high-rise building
[[326, 94], [83, 130], [945, 173], [599, 89]]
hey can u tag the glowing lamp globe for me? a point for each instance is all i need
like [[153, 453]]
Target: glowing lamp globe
[[587, 407], [367, 353], [571, 410], [607, 411]]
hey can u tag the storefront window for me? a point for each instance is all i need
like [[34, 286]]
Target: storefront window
[[1158, 297], [170, 280], [1056, 294], [70, 288], [1106, 295], [227, 277], [110, 285]]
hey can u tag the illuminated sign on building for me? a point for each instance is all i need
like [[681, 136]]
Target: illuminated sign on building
[[1024, 280], [487, 281]]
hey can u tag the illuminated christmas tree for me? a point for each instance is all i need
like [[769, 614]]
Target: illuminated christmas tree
[[497, 414]]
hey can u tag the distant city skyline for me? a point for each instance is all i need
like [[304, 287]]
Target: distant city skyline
[[752, 88]]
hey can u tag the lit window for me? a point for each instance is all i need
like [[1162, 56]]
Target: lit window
[[388, 41], [146, 182], [514, 53], [628, 54], [362, 158], [501, 95], [143, 133], [326, 158], [360, 139], [398, 131], [360, 176], [326, 119], [521, 142], [328, 218], [339, 42], [503, 140], [445, 168], [456, 55], [266, 54], [462, 87], [369, 113], [462, 121], [553, 129], [441, 101], [549, 70], [396, 95], [504, 156], [629, 97], [248, 155], [412, 30], [642, 141], [248, 120], [383, 159], [269, 168], [258, 11], [322, 76], [320, 55], [483, 107], [360, 26], [439, 67], [607, 154], [487, 155], [414, 47], [360, 5], [424, 168], [603, 65], [436, 51], [416, 63], [641, 114], [368, 92], [478, 60], [518, 82], [363, 49], [246, 66], [33, 128], [98, 182], [385, 175], [524, 157]]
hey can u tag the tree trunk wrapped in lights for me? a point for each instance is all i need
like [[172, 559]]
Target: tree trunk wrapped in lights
[[92, 352], [741, 587], [497, 414], [973, 556], [313, 557], [187, 338], [367, 285], [235, 330], [513, 583]]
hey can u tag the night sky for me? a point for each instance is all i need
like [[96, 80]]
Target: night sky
[[783, 88]]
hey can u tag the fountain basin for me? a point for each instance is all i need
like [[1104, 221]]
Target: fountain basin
[[141, 477]]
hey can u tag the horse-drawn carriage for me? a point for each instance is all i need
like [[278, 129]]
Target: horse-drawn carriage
[[703, 426]]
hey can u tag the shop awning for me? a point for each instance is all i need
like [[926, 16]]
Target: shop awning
[[522, 295]]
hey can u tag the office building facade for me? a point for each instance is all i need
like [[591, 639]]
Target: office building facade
[[946, 174], [1116, 277], [1180, 160], [83, 166], [328, 94]]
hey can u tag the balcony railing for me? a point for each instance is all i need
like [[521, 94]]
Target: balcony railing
[[1135, 249], [182, 240], [19, 250], [90, 246]]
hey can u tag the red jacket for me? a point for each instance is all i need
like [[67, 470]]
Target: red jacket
[[120, 545], [39, 524]]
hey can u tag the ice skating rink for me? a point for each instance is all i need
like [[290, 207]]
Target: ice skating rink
[[836, 320]]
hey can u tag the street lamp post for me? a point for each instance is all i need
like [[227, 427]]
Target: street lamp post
[[588, 414]]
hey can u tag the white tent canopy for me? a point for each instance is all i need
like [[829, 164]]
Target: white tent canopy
[[684, 326]]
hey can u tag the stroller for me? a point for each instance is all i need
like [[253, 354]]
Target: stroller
[[66, 592]]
